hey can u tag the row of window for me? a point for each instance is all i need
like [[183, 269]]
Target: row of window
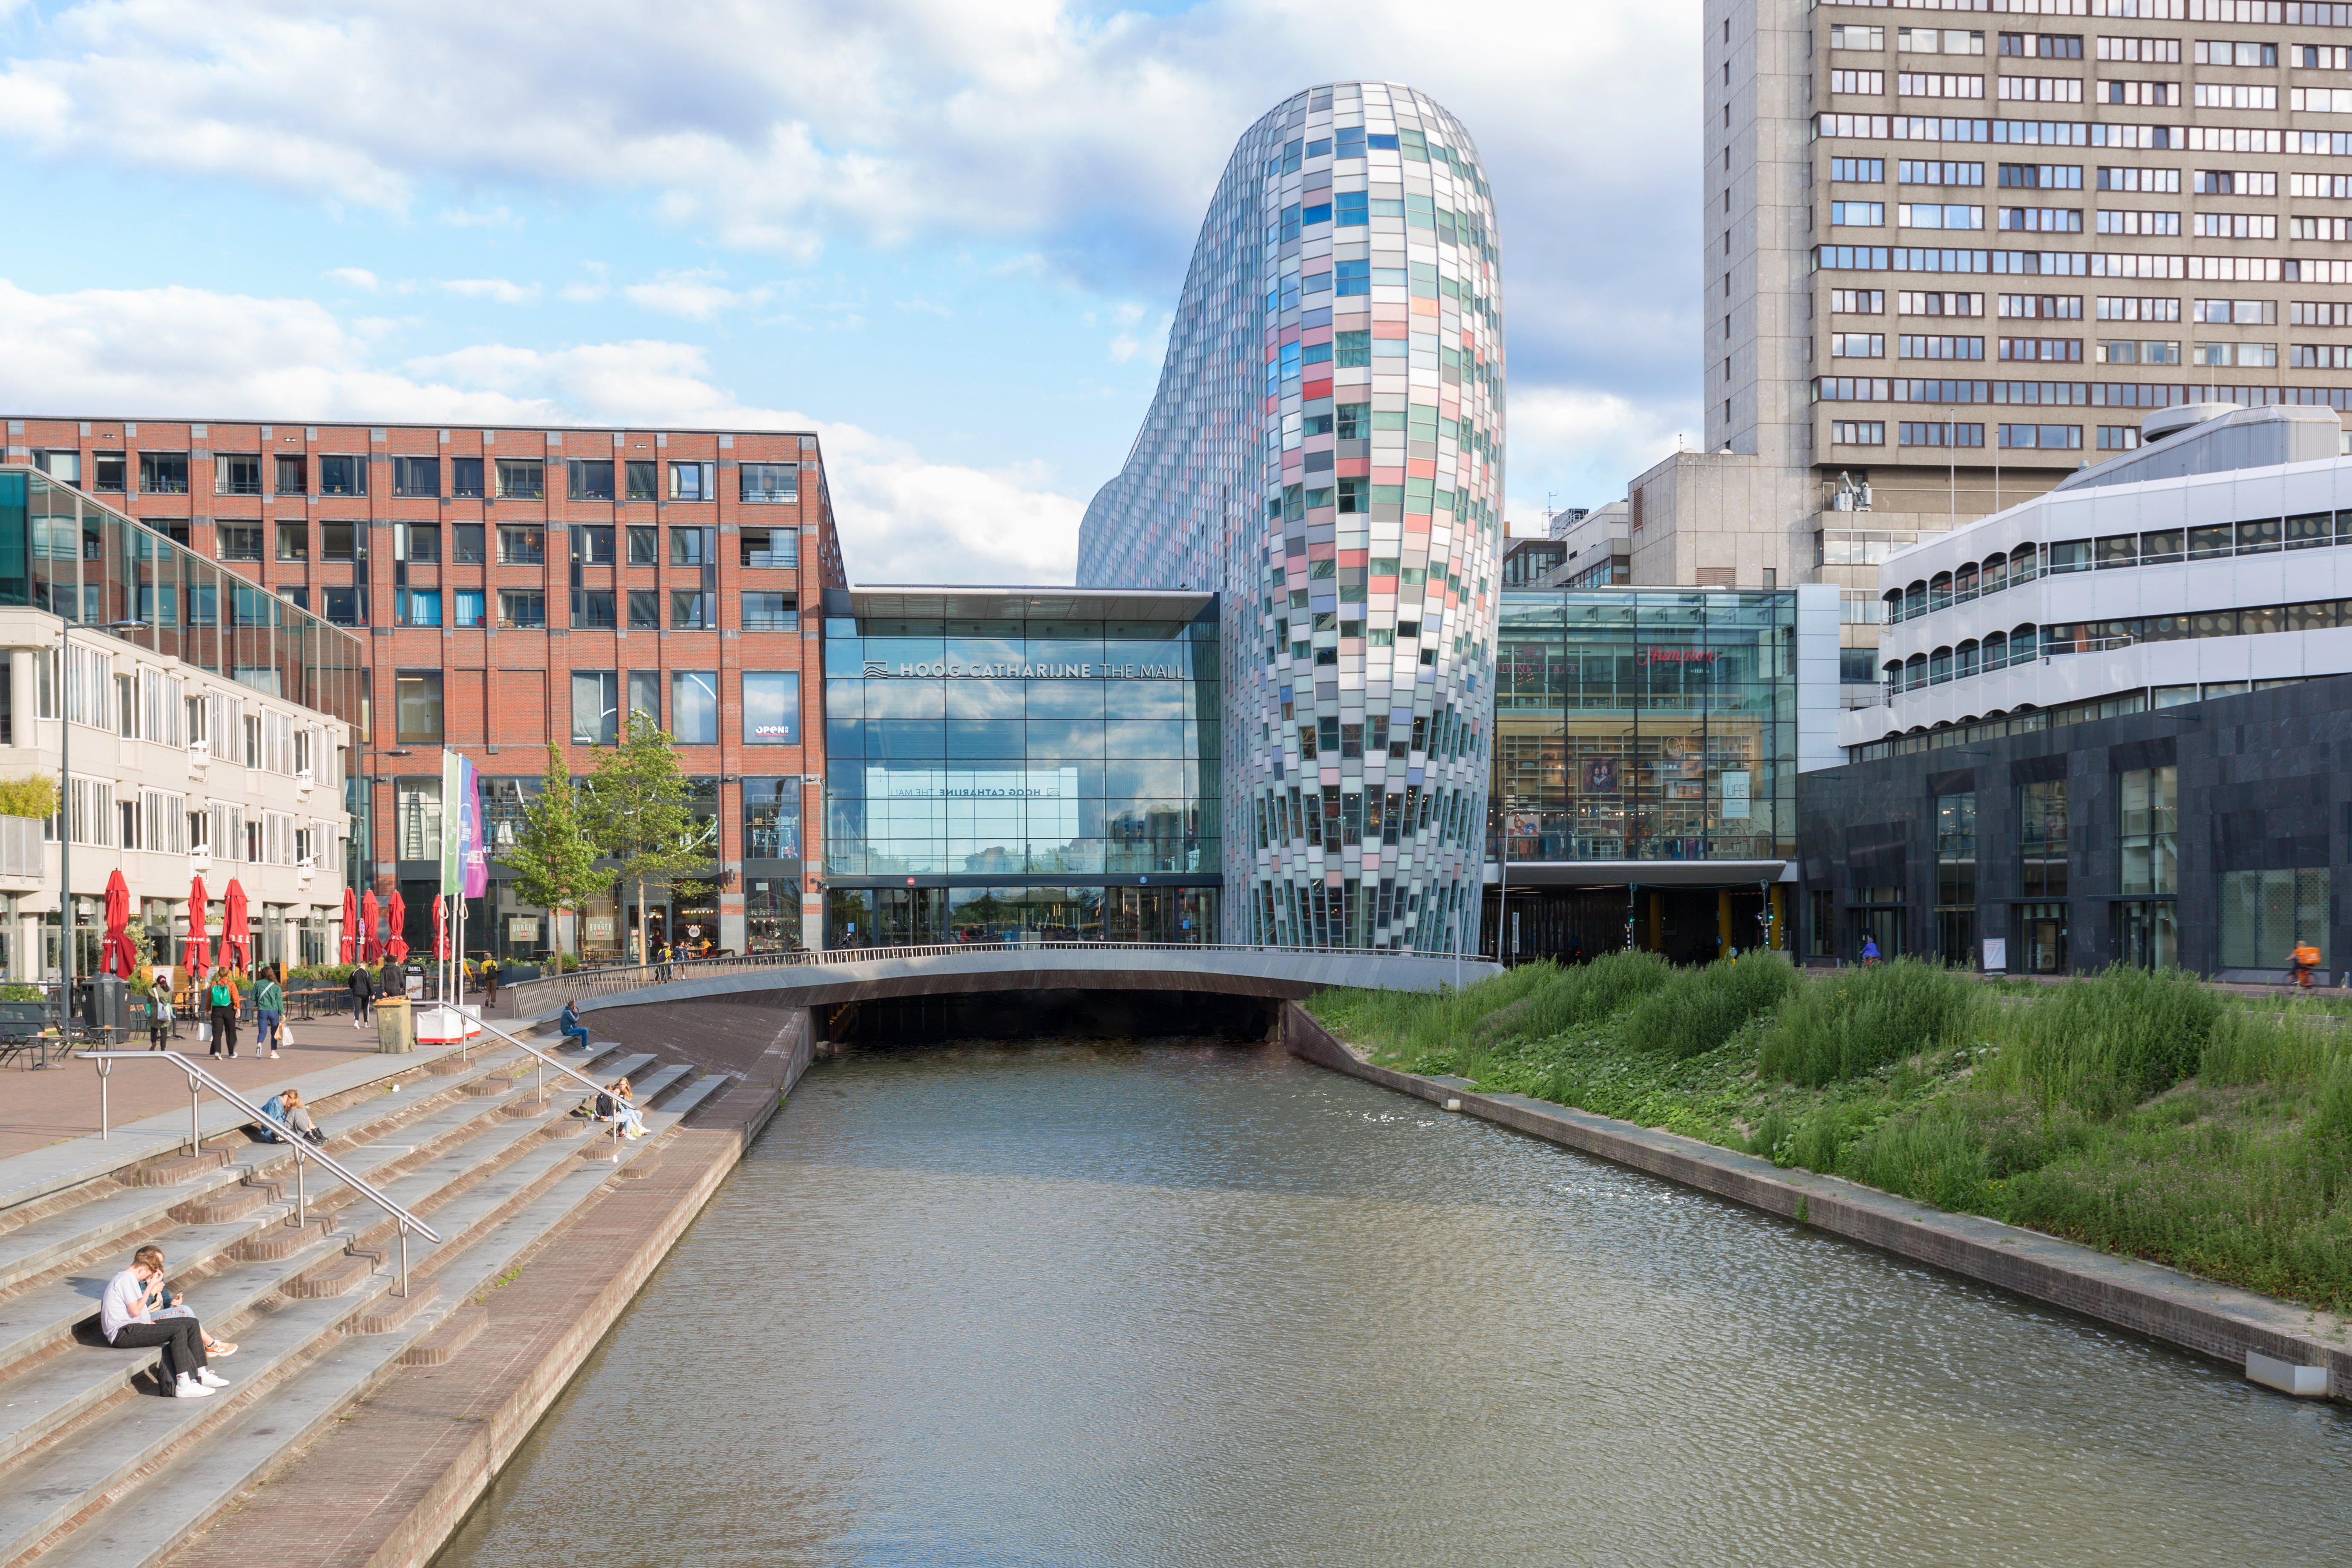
[[516, 478], [770, 706], [2069, 351], [2234, 52], [518, 544], [158, 822], [525, 609], [2155, 547], [2110, 308], [1971, 434], [2069, 220], [2063, 89], [2027, 643], [143, 703]]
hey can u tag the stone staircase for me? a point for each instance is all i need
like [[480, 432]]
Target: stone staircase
[[97, 1466]]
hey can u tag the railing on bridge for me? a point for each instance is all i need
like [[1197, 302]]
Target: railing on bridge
[[531, 997]]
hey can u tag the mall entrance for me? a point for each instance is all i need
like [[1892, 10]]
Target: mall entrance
[[1687, 925], [906, 917]]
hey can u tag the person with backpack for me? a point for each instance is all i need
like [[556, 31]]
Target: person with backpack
[[220, 1000], [1869, 951], [269, 1011], [362, 987], [159, 1011]]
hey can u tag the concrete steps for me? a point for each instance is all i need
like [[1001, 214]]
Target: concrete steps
[[94, 1464]]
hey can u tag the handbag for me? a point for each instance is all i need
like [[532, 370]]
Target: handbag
[[203, 1031]]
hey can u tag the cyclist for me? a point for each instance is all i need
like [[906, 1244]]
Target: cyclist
[[2302, 962]]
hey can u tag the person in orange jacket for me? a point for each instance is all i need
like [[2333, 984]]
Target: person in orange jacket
[[2303, 961]]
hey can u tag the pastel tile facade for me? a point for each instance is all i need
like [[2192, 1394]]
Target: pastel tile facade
[[1324, 452]]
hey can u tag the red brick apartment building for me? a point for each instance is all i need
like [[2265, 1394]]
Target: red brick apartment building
[[520, 586]]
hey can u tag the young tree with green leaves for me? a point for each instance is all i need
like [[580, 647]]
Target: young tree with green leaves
[[635, 808], [554, 859]]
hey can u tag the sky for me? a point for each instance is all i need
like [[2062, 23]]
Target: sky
[[947, 235]]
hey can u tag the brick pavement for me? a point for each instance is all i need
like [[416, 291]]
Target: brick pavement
[[384, 1486], [41, 1106]]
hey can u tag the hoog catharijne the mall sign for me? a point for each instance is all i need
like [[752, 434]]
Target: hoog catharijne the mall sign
[[878, 670]]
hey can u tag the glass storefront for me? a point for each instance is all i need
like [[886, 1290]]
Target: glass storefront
[[1019, 774], [1645, 724]]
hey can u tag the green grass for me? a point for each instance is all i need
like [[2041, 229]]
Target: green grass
[[2137, 1113]]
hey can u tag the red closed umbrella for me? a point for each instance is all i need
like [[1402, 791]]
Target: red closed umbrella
[[396, 920], [367, 927], [119, 956], [236, 937], [350, 926], [197, 959], [440, 931]]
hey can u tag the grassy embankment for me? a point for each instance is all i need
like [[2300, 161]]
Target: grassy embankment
[[2137, 1113]]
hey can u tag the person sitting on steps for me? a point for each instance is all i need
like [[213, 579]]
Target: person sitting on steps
[[163, 1301], [614, 1105], [285, 1109], [125, 1318], [571, 1026]]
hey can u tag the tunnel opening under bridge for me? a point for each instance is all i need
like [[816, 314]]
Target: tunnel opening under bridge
[[1049, 1014]]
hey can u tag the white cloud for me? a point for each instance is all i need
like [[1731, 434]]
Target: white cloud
[[191, 353], [696, 293], [495, 218], [357, 277], [497, 288]]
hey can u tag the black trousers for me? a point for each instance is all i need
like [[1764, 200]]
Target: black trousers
[[182, 1339], [225, 1030], [360, 1006]]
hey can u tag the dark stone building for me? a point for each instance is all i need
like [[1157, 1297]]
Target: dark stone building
[[2211, 834]]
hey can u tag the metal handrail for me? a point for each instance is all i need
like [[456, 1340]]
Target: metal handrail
[[197, 1076], [539, 1081]]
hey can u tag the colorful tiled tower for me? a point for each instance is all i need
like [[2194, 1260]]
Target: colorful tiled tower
[[1324, 452]]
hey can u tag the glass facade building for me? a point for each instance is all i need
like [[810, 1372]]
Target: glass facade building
[[1020, 765], [1645, 767], [1324, 452]]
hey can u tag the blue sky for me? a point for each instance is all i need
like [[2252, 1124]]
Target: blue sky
[[947, 234]]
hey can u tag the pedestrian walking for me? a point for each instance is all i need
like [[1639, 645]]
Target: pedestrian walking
[[159, 1011], [269, 1011], [363, 988]]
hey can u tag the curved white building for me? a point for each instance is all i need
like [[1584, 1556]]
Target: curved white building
[[1325, 452]]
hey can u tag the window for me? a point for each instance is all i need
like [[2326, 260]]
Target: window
[[1923, 347], [1938, 84], [416, 695], [522, 479], [771, 613], [2066, 351], [2223, 52], [236, 473], [2148, 817], [2118, 308], [466, 539], [2236, 226], [772, 708], [1859, 81], [90, 811], [342, 475], [466, 607], [1853, 36], [2138, 350], [1939, 433], [592, 607], [645, 697], [1939, 41], [1956, 878], [2139, 223], [2048, 437], [692, 546], [107, 471], [694, 706], [589, 480], [418, 607], [340, 540], [592, 544], [1857, 432], [1849, 215], [416, 476], [288, 480], [2042, 46], [1355, 278], [293, 542], [1351, 349], [522, 608], [2151, 51], [343, 606], [61, 466], [2252, 356], [1910, 304], [644, 610], [642, 483], [521, 545], [164, 473], [2039, 89], [779, 547], [1859, 301], [2265, 915], [694, 481], [595, 707], [2118, 437], [770, 482], [2165, 181], [2235, 313], [692, 612], [237, 542], [466, 478], [645, 546], [2236, 182], [1857, 345], [2042, 839], [2040, 220], [416, 817], [1858, 170], [1935, 215]]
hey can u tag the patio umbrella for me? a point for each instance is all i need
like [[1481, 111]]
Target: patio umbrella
[[197, 959], [396, 920], [367, 927], [440, 930], [120, 957], [236, 937], [350, 926]]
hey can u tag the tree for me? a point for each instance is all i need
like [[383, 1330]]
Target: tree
[[554, 858], [635, 809]]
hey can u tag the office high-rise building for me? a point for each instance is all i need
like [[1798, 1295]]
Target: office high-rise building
[[1953, 253], [1325, 452]]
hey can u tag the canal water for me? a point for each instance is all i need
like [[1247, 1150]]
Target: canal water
[[1181, 1305]]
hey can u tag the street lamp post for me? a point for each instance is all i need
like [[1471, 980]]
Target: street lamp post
[[65, 809]]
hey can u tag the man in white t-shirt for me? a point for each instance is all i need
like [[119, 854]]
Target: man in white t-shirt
[[124, 1314]]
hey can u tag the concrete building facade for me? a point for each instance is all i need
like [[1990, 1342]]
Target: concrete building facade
[[1325, 452]]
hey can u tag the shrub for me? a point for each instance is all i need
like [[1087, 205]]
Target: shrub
[[1861, 1019], [2106, 1043], [1558, 998], [1697, 1010], [34, 794]]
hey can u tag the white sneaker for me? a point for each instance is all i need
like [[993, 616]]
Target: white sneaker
[[210, 1378], [273, 1056], [189, 1388]]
